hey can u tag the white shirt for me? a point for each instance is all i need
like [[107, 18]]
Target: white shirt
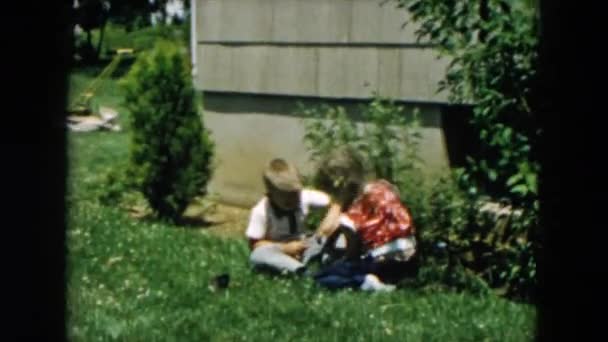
[[264, 224]]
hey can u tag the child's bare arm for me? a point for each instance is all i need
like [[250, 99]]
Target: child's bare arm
[[255, 243], [331, 220]]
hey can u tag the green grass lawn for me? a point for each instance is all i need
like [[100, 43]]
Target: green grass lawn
[[138, 280]]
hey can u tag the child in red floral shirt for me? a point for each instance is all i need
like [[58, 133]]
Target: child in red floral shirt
[[382, 224]]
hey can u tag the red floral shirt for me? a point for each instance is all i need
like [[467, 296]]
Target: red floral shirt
[[379, 215]]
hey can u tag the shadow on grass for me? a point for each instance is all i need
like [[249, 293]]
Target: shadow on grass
[[196, 222], [189, 222]]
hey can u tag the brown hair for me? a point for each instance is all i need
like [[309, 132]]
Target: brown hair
[[341, 174]]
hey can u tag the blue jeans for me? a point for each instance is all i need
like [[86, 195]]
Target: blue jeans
[[344, 274]]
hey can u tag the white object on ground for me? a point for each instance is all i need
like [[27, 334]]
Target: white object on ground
[[108, 114], [406, 246], [372, 283], [105, 120]]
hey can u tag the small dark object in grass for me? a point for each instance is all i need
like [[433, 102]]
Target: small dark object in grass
[[221, 281]]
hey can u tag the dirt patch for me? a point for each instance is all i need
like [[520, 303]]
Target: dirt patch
[[205, 215], [217, 218]]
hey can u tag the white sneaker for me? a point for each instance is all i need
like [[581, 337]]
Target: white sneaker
[[372, 283]]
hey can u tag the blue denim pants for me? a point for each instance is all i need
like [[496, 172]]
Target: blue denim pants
[[344, 274]]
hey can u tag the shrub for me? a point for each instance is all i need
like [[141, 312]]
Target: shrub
[[492, 47], [386, 139], [171, 151], [465, 233]]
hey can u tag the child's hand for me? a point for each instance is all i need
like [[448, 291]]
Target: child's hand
[[294, 248]]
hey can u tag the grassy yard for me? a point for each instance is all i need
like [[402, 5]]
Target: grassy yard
[[138, 280]]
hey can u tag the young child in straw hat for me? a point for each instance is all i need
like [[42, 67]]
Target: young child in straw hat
[[276, 224]]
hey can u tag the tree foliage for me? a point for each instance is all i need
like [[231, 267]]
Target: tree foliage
[[130, 14], [492, 45]]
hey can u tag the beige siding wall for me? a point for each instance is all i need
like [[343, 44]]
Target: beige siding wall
[[324, 48], [337, 72], [303, 21]]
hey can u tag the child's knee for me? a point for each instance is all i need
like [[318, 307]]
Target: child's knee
[[262, 254]]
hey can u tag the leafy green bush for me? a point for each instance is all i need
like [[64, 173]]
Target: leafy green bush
[[171, 151], [466, 234], [116, 183], [386, 138], [492, 46]]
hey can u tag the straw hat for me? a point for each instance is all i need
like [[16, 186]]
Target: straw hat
[[281, 175]]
